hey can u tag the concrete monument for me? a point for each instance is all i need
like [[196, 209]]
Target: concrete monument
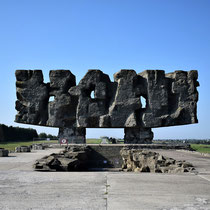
[[97, 102]]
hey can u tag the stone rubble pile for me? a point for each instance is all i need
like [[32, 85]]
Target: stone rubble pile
[[148, 161], [80, 158], [71, 159], [3, 152], [23, 149], [38, 146]]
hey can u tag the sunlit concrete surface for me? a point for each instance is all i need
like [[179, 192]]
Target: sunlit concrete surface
[[22, 188]]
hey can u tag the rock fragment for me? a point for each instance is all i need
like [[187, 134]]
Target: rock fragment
[[71, 159], [148, 161]]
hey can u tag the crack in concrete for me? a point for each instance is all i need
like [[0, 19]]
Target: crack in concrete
[[204, 178], [107, 185]]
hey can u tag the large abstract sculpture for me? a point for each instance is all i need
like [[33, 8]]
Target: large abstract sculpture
[[97, 102]]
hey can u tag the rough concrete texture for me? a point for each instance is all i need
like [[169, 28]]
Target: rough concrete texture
[[38, 146], [3, 152], [96, 102], [149, 161], [22, 188], [23, 149], [87, 158], [71, 159], [138, 135], [74, 135]]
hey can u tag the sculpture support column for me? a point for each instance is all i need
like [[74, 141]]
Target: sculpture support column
[[138, 135], [73, 135]]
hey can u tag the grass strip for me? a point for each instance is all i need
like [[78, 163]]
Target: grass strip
[[202, 148], [11, 145]]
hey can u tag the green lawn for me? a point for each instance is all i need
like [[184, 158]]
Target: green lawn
[[11, 145], [203, 148], [93, 141]]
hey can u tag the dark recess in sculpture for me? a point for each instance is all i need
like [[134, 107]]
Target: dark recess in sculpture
[[97, 102]]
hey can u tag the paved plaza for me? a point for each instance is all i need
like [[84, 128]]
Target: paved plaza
[[23, 188]]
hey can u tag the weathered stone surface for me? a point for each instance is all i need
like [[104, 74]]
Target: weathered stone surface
[[138, 135], [32, 95], [23, 149], [171, 99], [95, 157], [73, 135], [62, 109], [3, 152], [148, 161], [71, 159], [90, 110], [38, 146]]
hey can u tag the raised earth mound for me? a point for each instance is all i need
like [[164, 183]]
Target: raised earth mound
[[77, 158]]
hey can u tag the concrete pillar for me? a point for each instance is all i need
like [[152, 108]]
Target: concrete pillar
[[73, 135], [138, 135]]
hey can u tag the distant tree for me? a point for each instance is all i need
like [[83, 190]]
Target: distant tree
[[43, 135], [112, 140], [50, 136], [16, 133], [104, 137]]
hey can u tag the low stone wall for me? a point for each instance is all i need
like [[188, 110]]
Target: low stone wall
[[105, 156], [181, 146], [3, 152]]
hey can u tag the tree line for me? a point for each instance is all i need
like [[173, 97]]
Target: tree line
[[10, 133], [45, 136]]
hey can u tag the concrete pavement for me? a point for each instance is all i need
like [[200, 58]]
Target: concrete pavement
[[22, 188]]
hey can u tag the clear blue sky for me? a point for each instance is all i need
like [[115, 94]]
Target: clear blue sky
[[109, 35]]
